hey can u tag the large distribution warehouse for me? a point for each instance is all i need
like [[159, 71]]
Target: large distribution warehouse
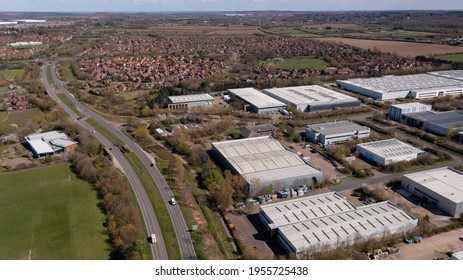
[[439, 123], [255, 101], [264, 162], [397, 111], [388, 151], [413, 86], [311, 98], [442, 187], [335, 132], [326, 221], [188, 101]]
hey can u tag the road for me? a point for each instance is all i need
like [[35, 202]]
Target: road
[[181, 230], [158, 250]]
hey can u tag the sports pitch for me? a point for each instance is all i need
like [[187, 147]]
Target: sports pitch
[[50, 214]]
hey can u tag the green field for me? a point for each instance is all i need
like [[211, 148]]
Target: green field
[[290, 31], [452, 57], [16, 74], [302, 63], [52, 214], [18, 118]]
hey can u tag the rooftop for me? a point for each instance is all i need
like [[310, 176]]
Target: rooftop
[[410, 105], [451, 74], [41, 147], [191, 98], [390, 148], [47, 136], [256, 98], [337, 127], [310, 95], [255, 130], [392, 83], [444, 181], [263, 158], [449, 120]]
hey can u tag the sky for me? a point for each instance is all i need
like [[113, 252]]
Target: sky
[[223, 5]]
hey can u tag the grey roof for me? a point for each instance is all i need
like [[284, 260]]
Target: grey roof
[[310, 95], [62, 143], [337, 127], [449, 120], [444, 181], [451, 74], [48, 142], [404, 83], [256, 98], [263, 158], [40, 147], [255, 130], [410, 105], [190, 98], [390, 148], [329, 218], [47, 136]]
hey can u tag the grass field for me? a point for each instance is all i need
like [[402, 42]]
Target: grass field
[[302, 63], [398, 47], [18, 118], [452, 57], [16, 74], [290, 31], [52, 213]]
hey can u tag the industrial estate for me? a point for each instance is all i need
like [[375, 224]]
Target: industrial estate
[[213, 136]]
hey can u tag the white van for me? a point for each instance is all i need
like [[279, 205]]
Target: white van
[[172, 201], [153, 238]]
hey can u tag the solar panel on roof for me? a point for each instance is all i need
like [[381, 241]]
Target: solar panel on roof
[[322, 210], [330, 208], [344, 230], [316, 236], [294, 214], [353, 227], [306, 239]]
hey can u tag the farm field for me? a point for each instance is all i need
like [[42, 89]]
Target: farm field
[[207, 30], [401, 48], [16, 74], [50, 214], [452, 57], [302, 63], [290, 31]]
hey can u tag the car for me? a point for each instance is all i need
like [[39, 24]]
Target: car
[[172, 201], [151, 164], [461, 238], [152, 238], [93, 131]]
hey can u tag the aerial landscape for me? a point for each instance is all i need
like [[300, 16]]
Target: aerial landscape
[[166, 131]]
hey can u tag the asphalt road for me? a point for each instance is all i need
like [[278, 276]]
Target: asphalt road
[[158, 249], [181, 230]]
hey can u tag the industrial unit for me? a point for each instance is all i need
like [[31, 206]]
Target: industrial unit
[[255, 101], [311, 98], [264, 163], [450, 74], [439, 123], [388, 151], [257, 130], [49, 143], [326, 221], [335, 132], [398, 110], [442, 187], [188, 101], [413, 86]]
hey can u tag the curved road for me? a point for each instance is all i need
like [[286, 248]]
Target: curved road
[[158, 249], [181, 230]]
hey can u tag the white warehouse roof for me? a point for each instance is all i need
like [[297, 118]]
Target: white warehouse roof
[[303, 96], [390, 148], [444, 181], [191, 98], [256, 98], [263, 158], [41, 147], [451, 74], [411, 105], [337, 127]]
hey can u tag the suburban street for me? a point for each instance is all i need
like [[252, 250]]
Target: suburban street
[[158, 249], [180, 227]]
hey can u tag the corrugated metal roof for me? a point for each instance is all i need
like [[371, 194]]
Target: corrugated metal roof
[[256, 98], [390, 148], [191, 98]]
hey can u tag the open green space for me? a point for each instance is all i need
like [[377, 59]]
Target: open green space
[[18, 118], [16, 74], [302, 63], [49, 213], [290, 31], [452, 57]]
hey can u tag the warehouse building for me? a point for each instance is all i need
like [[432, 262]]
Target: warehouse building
[[449, 74], [255, 101], [257, 130], [439, 123], [442, 187], [329, 220], [388, 151], [312, 98], [264, 163], [189, 101], [460, 136], [397, 111], [49, 143], [335, 132], [413, 86]]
